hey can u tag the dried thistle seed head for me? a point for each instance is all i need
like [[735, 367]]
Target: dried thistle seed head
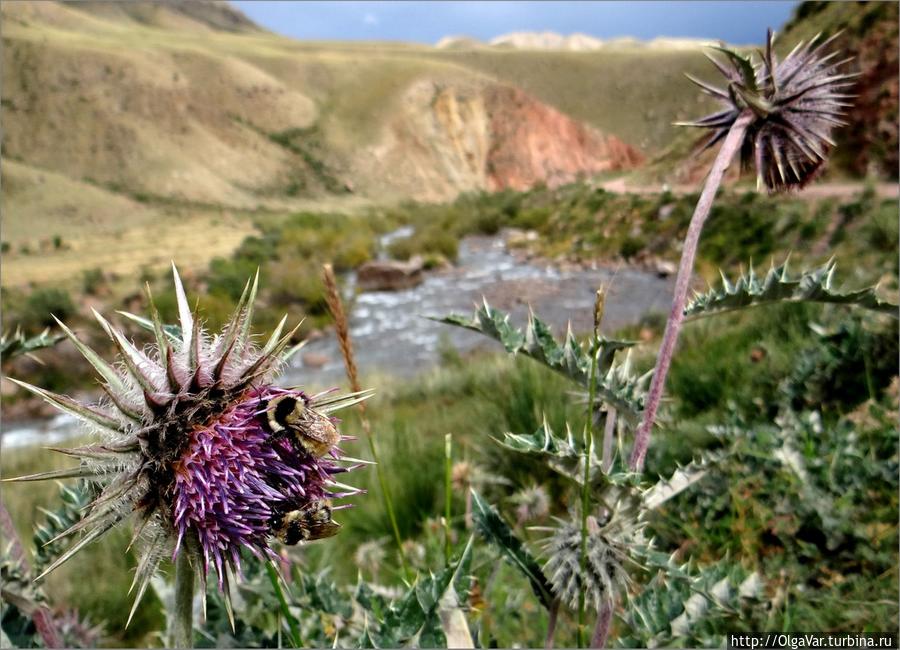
[[461, 475], [795, 103], [370, 556], [189, 449], [532, 503], [605, 572]]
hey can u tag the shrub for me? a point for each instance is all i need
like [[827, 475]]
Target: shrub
[[292, 281], [44, 302], [92, 281], [631, 246], [401, 249]]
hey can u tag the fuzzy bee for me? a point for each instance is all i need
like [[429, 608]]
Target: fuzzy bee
[[312, 521], [311, 430]]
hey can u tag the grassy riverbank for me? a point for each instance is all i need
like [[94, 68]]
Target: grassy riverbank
[[739, 373], [574, 224]]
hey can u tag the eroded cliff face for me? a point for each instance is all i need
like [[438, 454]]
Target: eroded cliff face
[[434, 147], [531, 142], [457, 137]]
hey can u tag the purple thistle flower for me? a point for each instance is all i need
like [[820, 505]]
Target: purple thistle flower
[[201, 446], [795, 104]]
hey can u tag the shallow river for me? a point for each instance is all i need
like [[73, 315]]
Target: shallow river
[[391, 334]]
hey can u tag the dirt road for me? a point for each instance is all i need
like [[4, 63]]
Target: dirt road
[[815, 191]]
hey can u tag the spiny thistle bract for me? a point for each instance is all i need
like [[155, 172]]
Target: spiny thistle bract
[[607, 552], [795, 104], [192, 446]]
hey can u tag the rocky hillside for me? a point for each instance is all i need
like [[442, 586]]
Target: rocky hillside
[[118, 117], [192, 103], [488, 136]]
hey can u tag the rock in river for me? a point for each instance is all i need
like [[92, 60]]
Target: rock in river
[[390, 275]]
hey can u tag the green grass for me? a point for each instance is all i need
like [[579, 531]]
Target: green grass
[[741, 367], [715, 377], [573, 223]]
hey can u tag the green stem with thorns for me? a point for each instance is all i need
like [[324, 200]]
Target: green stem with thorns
[[448, 495], [585, 490]]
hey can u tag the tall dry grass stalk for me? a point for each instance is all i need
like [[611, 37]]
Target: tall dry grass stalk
[[342, 329]]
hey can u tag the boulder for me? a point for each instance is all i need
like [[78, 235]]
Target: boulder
[[315, 359], [390, 275], [664, 268]]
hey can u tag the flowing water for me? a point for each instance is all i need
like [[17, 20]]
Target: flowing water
[[391, 334]]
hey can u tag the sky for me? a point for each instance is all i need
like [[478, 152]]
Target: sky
[[427, 21]]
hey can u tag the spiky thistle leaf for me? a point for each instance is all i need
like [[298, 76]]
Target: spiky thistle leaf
[[74, 500], [13, 345], [777, 285], [497, 532], [681, 479], [418, 616], [615, 383], [681, 604], [565, 455]]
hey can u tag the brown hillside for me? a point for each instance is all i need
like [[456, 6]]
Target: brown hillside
[[172, 14], [162, 102]]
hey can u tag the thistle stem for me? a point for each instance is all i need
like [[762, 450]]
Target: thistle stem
[[585, 490], [601, 628], [552, 616], [448, 495], [183, 619], [732, 144]]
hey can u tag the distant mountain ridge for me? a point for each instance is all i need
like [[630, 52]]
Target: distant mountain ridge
[[213, 14], [192, 102], [577, 42]]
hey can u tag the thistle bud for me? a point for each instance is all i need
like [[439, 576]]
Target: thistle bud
[[795, 104], [604, 572]]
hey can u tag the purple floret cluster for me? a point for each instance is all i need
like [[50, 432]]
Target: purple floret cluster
[[235, 477]]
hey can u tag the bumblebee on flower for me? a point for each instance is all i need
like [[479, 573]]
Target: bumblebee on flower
[[202, 447]]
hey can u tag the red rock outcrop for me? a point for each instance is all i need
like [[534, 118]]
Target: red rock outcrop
[[531, 142], [457, 137]]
